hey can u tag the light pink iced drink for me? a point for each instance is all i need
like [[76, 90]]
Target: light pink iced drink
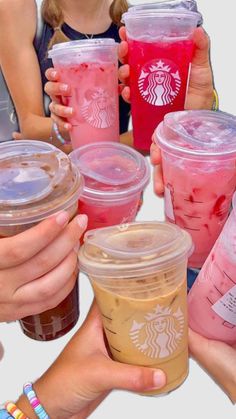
[[115, 177], [90, 68], [212, 299], [198, 151]]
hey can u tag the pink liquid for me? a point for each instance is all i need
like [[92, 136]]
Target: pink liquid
[[197, 198], [108, 215], [158, 81], [94, 98], [217, 277]]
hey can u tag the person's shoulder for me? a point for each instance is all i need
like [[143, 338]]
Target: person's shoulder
[[21, 14]]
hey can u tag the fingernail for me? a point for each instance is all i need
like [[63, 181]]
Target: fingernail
[[67, 126], [76, 248], [62, 218], [82, 220], [68, 111], [159, 379], [54, 74], [64, 87]]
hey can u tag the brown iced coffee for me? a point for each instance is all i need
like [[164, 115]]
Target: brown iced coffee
[[138, 273], [37, 180]]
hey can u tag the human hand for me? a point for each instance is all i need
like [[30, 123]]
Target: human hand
[[200, 89], [218, 359], [84, 374], [38, 268], [58, 93]]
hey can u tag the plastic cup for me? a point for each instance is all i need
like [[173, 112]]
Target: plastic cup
[[212, 300], [160, 53], [198, 151], [90, 67], [138, 273], [38, 180], [115, 176]]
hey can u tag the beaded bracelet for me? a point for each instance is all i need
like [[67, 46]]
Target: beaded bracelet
[[58, 135], [4, 414], [14, 411], [34, 401]]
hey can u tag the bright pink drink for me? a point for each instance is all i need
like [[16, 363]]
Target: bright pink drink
[[198, 151], [160, 52], [115, 176], [212, 299], [90, 69], [158, 81]]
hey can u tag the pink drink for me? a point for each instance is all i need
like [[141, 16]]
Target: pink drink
[[160, 53], [198, 157], [162, 88], [90, 68], [212, 299], [115, 177]]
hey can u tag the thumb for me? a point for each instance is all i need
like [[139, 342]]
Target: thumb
[[218, 359], [17, 136], [202, 47], [133, 378]]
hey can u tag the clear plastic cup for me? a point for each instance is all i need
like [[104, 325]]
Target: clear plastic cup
[[198, 151], [90, 67], [138, 273], [212, 300], [38, 180], [160, 54], [115, 176]]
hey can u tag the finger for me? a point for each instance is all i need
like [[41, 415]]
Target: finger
[[21, 247], [126, 94], [61, 110], [57, 89], [123, 49], [155, 154], [218, 359], [48, 286], [61, 123], [158, 183], [128, 377], [202, 44], [124, 73], [52, 74], [17, 136], [122, 33], [51, 256]]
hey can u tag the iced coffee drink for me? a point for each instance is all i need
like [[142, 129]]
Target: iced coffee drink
[[138, 273], [37, 180]]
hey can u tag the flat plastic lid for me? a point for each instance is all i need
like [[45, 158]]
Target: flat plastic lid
[[110, 168], [133, 249], [205, 133], [35, 179], [81, 44]]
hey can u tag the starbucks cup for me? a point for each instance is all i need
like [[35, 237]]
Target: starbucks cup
[[90, 67], [138, 273], [37, 180], [212, 300], [198, 150], [160, 54], [115, 176]]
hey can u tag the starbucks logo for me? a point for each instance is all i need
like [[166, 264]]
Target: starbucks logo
[[98, 108], [159, 334], [159, 82]]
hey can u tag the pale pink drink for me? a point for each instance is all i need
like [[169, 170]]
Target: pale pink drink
[[90, 68], [160, 53], [198, 151], [212, 299], [115, 177]]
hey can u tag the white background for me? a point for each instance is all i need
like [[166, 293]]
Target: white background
[[199, 396]]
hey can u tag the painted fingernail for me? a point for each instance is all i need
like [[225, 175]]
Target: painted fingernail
[[159, 379], [68, 111], [62, 218], [64, 87], [82, 220]]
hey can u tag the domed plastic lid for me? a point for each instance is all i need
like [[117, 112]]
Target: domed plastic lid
[[204, 133], [36, 179], [82, 44], [166, 4], [111, 168], [133, 249]]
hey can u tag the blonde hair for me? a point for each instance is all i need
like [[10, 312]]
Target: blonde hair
[[53, 15]]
